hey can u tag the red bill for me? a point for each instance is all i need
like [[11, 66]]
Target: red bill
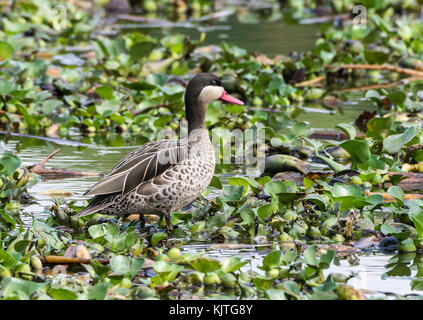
[[226, 97]]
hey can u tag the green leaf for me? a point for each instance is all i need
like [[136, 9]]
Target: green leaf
[[206, 265], [397, 97], [348, 129], [397, 193], [50, 105], [157, 237], [126, 266], [231, 264], [105, 92], [6, 51], [262, 283], [274, 187], [359, 150], [343, 190], [275, 294], [98, 292], [272, 260], [395, 142], [97, 230], [318, 200], [216, 183], [9, 163], [310, 256], [13, 287], [62, 294], [417, 218], [141, 49], [266, 210]]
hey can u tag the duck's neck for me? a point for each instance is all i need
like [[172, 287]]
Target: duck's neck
[[196, 115]]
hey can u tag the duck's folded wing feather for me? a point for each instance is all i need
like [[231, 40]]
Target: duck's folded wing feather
[[143, 164]]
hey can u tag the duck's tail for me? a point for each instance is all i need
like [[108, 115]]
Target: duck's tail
[[97, 205]]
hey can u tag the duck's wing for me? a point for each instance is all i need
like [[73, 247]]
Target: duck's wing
[[143, 164]]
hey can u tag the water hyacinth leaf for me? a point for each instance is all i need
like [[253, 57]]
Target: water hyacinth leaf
[[9, 163], [262, 283], [19, 288], [234, 108], [266, 210], [418, 86], [375, 57], [216, 183], [6, 51], [157, 237], [318, 200], [359, 150], [98, 292], [310, 256], [348, 129], [232, 264], [206, 265], [397, 97], [417, 218], [232, 193], [62, 294], [275, 294], [248, 216], [395, 142], [397, 193], [141, 49], [274, 187], [50, 105], [97, 231], [272, 260], [6, 259], [343, 190], [8, 219], [292, 288], [326, 259], [105, 92], [126, 266], [246, 182], [14, 27], [6, 87], [301, 129], [401, 232]]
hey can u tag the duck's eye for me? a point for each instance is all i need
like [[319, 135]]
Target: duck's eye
[[214, 83]]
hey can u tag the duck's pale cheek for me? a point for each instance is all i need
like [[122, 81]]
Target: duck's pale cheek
[[210, 94]]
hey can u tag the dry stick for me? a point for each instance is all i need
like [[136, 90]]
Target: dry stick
[[381, 85], [389, 67], [68, 260], [311, 82], [389, 198], [42, 170], [13, 114]]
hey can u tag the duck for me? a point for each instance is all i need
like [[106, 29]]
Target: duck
[[164, 176]]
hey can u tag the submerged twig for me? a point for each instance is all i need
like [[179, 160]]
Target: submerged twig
[[43, 171]]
